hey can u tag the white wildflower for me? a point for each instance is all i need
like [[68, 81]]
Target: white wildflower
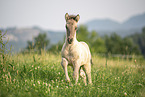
[[14, 80], [52, 81], [125, 94], [39, 82], [135, 60], [66, 86], [49, 85], [46, 84]]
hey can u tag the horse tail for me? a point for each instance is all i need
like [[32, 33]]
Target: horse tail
[[91, 61]]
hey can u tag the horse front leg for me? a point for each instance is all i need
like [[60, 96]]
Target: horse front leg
[[64, 64], [76, 72]]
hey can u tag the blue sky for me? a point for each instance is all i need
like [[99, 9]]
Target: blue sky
[[49, 14]]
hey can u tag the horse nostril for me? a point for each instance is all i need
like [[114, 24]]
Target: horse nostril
[[70, 40]]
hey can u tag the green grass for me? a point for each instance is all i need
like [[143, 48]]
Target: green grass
[[42, 75]]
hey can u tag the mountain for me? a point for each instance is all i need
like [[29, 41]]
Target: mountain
[[137, 22], [102, 24], [18, 37], [108, 26]]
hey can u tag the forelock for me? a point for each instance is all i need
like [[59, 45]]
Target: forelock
[[72, 17]]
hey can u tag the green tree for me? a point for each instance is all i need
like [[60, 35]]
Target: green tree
[[56, 48], [96, 43], [139, 39], [82, 33], [40, 42], [30, 45], [98, 46], [129, 47], [117, 45]]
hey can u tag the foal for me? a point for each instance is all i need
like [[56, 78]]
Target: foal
[[75, 54]]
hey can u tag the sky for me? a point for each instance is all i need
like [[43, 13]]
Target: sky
[[49, 14]]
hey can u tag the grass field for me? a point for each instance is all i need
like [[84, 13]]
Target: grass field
[[42, 75]]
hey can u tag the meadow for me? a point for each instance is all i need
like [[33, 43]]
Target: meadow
[[27, 75]]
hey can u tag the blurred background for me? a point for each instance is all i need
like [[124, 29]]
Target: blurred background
[[115, 26]]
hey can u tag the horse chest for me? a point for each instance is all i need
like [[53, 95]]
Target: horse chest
[[71, 55]]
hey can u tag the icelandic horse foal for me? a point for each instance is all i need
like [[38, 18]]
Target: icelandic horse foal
[[75, 54]]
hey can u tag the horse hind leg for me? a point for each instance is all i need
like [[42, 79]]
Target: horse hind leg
[[83, 75], [87, 69]]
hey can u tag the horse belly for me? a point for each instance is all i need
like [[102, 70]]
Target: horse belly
[[86, 55]]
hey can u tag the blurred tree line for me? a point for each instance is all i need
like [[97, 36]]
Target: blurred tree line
[[139, 39], [40, 43], [113, 44]]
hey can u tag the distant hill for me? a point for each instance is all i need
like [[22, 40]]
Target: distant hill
[[18, 37], [108, 26], [102, 24], [135, 22]]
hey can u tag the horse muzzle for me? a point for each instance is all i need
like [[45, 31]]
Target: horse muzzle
[[70, 40]]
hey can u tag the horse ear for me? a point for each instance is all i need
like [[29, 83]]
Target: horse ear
[[66, 16], [77, 18]]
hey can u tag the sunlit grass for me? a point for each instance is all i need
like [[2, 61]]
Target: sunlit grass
[[42, 75]]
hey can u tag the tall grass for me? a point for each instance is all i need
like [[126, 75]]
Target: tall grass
[[31, 74]]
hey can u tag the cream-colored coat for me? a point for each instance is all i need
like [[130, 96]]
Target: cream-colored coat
[[77, 55]]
